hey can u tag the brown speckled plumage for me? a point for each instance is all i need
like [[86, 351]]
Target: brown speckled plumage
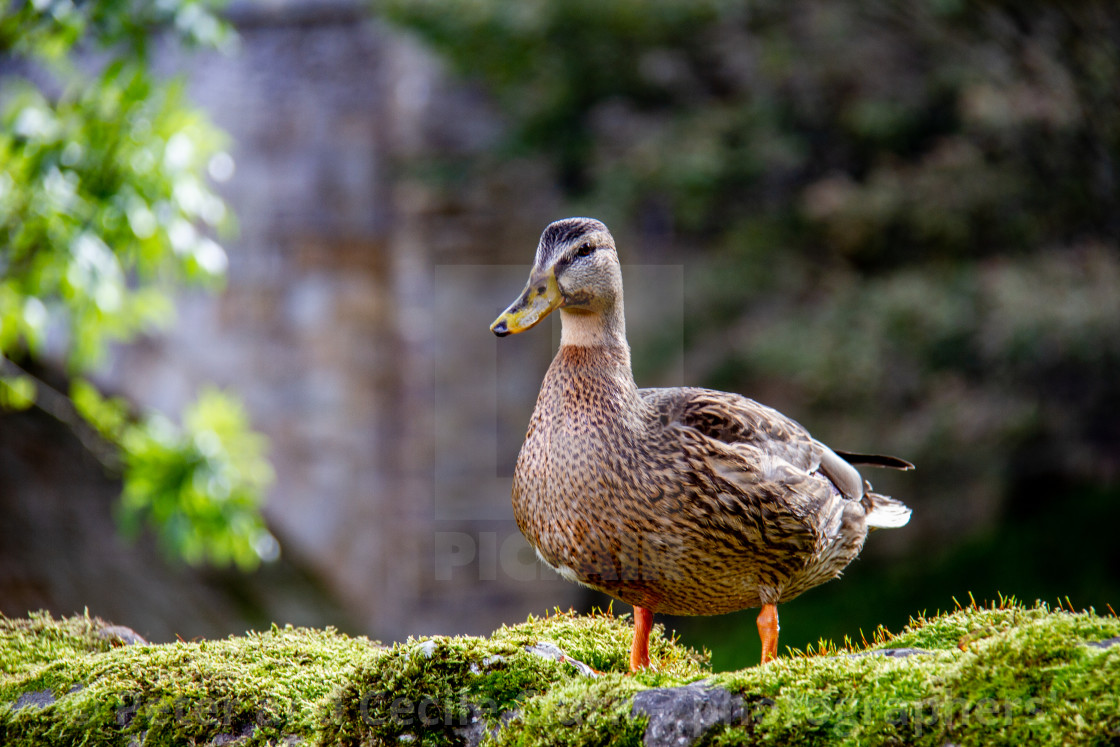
[[682, 501]]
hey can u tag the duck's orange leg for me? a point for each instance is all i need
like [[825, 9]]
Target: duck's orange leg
[[639, 649], [768, 631]]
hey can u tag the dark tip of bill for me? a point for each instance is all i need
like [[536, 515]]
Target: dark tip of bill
[[500, 329]]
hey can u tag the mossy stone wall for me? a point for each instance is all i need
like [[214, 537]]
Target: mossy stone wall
[[1004, 673]]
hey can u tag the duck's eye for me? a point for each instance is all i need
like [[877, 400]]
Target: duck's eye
[[584, 250]]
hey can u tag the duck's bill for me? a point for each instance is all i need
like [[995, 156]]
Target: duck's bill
[[540, 297]]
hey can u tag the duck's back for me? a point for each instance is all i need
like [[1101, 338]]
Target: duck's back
[[734, 419]]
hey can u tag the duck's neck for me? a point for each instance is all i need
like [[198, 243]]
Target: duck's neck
[[588, 329], [594, 361]]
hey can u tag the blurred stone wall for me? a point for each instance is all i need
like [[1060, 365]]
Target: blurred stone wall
[[358, 286]]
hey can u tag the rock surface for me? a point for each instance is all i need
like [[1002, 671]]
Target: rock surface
[[680, 716]]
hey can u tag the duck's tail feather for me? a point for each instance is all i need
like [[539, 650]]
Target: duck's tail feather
[[884, 512], [874, 460]]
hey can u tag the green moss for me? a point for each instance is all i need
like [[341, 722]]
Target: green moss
[[579, 713], [602, 641], [26, 643], [261, 686], [1004, 673], [433, 689]]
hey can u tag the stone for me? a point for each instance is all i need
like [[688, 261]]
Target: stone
[[1106, 643], [680, 716], [897, 653], [121, 635], [36, 698]]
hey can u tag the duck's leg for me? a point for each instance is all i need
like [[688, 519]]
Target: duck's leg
[[639, 649], [768, 631]]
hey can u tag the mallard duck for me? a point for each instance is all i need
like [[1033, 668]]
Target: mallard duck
[[681, 501]]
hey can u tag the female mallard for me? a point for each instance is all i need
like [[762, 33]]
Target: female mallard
[[680, 501]]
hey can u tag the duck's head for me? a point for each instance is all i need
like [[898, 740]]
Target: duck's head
[[576, 269]]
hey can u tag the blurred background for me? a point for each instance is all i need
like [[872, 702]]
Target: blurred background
[[249, 254]]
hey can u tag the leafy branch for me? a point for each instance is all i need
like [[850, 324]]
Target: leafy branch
[[106, 211]]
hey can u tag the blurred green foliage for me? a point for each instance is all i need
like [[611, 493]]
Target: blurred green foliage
[[105, 212], [905, 207], [907, 217]]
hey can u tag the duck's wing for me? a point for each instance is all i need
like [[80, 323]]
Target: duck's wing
[[742, 426], [764, 476]]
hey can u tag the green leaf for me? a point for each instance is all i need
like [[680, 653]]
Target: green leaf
[[17, 392], [106, 213], [200, 487]]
